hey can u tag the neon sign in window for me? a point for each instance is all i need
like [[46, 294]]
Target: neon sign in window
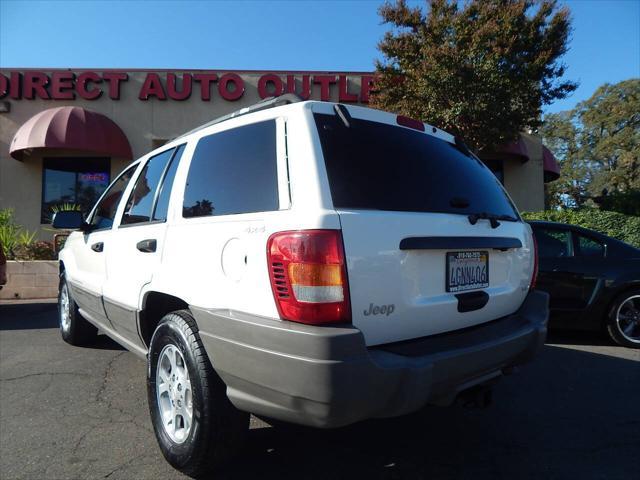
[[72, 183]]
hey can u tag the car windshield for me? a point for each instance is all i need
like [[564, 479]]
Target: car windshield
[[376, 166]]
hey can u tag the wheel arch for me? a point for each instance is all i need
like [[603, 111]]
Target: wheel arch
[[156, 305]]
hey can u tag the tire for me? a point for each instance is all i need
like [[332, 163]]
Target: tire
[[74, 329], [203, 429], [623, 322]]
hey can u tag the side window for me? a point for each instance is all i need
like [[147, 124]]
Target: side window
[[232, 172], [553, 243], [588, 247], [105, 211], [140, 202], [162, 204]]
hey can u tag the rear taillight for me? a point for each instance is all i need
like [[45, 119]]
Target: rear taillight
[[309, 276], [534, 277]]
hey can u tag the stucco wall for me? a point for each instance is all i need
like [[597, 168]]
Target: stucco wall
[[525, 181]]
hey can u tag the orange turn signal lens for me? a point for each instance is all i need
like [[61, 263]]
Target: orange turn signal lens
[[315, 275]]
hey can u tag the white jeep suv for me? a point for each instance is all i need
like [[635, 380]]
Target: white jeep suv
[[309, 262]]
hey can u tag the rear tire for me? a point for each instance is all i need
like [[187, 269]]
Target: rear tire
[[74, 329], [197, 427], [623, 321]]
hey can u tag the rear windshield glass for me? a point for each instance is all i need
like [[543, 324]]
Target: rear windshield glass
[[375, 166]]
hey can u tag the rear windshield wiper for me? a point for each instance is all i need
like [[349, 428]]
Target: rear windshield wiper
[[493, 219]]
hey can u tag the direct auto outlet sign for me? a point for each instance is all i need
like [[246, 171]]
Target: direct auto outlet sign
[[228, 86]]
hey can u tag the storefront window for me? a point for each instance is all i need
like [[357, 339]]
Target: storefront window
[[72, 182]]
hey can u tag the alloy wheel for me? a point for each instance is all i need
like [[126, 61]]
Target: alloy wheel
[[65, 308], [628, 318], [174, 394]]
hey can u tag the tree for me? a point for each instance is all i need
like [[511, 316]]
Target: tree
[[560, 135], [610, 135], [481, 70], [598, 147]]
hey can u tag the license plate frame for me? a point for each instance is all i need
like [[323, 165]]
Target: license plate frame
[[459, 258]]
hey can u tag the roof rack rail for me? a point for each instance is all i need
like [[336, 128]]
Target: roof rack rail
[[269, 102]]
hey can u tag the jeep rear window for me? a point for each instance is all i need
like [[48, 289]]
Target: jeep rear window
[[375, 166]]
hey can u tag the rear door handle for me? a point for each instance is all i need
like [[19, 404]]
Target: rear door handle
[[97, 247], [147, 246]]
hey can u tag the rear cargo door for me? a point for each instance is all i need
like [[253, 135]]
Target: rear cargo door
[[421, 259]]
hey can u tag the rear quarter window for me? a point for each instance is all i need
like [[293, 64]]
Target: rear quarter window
[[233, 172], [590, 247]]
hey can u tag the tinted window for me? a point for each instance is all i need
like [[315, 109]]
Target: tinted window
[[140, 200], [233, 172], [73, 183], [383, 167], [553, 243], [162, 205], [588, 247], [105, 211]]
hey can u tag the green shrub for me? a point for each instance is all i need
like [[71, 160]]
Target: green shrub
[[41, 250], [623, 202], [616, 225], [12, 235], [60, 241]]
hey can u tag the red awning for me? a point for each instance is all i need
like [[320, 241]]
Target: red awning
[[549, 165], [71, 128], [516, 149]]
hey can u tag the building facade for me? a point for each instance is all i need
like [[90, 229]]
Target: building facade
[[65, 134]]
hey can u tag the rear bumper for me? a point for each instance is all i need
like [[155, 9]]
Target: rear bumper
[[327, 377]]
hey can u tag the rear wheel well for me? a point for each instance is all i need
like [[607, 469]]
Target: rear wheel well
[[156, 306]]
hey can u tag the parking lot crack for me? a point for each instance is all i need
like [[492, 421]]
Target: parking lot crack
[[125, 464], [81, 439], [105, 377], [39, 374]]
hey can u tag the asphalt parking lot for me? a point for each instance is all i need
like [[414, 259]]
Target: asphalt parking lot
[[68, 412]]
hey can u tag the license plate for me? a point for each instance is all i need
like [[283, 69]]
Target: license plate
[[467, 271]]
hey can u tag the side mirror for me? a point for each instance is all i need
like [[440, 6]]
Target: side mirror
[[68, 220]]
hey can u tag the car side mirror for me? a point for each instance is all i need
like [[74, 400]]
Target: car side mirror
[[68, 220]]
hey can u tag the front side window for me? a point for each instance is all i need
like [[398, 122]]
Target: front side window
[[232, 172], [588, 247], [553, 243], [105, 211], [72, 184]]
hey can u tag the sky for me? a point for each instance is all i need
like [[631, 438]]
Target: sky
[[272, 35]]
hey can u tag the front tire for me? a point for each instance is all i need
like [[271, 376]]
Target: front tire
[[197, 427], [623, 323], [74, 329]]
